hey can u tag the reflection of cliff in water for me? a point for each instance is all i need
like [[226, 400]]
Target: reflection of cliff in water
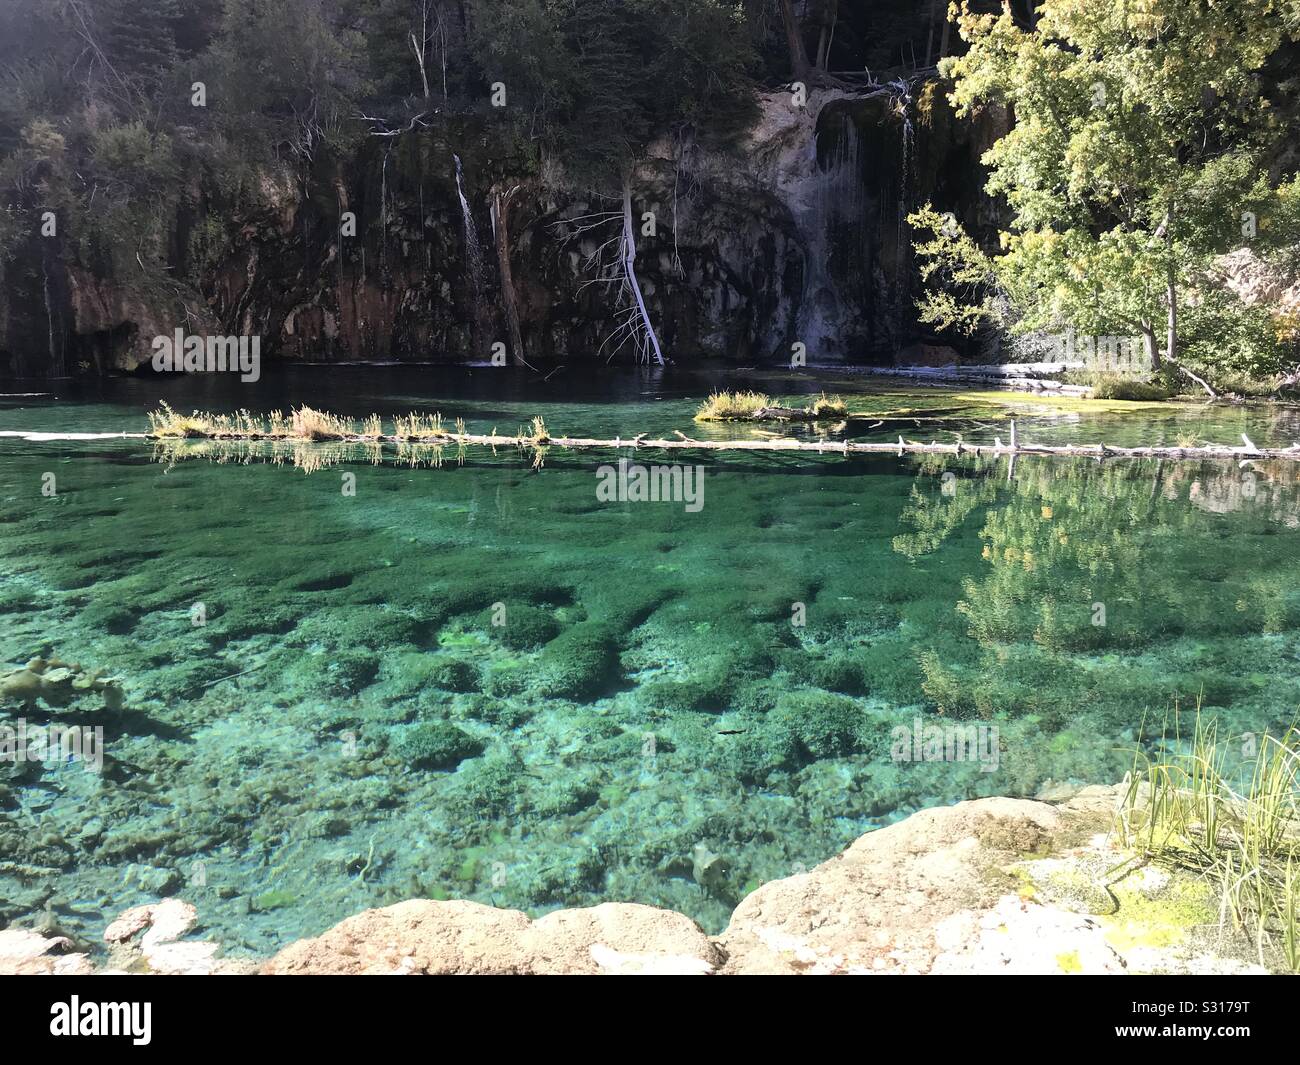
[[1271, 489]]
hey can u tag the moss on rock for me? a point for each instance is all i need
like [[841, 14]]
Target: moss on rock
[[436, 745], [581, 662], [524, 627], [455, 675]]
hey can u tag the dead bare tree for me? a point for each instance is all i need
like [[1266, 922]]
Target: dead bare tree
[[427, 26], [646, 333], [613, 262], [502, 198]]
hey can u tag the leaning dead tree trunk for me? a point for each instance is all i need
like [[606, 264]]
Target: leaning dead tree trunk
[[628, 255], [420, 45], [501, 199]]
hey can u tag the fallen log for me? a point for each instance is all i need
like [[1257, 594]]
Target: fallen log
[[538, 438], [817, 447]]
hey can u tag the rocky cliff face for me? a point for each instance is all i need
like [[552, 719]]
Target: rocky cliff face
[[795, 236]]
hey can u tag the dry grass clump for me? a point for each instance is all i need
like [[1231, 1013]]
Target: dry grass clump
[[413, 426], [305, 423], [536, 433], [311, 424], [730, 406], [825, 406], [746, 406], [166, 422]]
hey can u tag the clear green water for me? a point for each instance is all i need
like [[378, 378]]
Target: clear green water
[[349, 728]]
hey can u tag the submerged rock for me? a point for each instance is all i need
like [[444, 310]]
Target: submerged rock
[[581, 662], [436, 745], [56, 683]]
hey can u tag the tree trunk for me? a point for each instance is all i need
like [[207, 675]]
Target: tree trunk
[[1149, 346], [421, 47], [1171, 321], [629, 268], [799, 66], [419, 61], [1171, 289], [827, 37], [501, 238], [947, 33]]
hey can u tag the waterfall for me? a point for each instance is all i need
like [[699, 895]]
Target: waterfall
[[905, 175], [835, 233], [473, 248], [902, 286], [474, 255]]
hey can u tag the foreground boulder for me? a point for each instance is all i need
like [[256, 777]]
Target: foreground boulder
[[983, 887], [420, 936], [897, 900]]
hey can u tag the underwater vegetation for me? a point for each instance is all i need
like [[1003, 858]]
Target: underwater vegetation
[[483, 682]]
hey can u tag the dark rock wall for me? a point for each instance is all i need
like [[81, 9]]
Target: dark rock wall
[[796, 236]]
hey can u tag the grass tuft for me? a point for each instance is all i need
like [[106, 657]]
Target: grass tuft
[[747, 406], [825, 406], [414, 426], [1183, 810], [1106, 384], [731, 406]]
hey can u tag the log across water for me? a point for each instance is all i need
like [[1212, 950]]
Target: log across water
[[1017, 446]]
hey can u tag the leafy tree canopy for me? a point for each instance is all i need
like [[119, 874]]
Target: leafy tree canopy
[[1140, 152]]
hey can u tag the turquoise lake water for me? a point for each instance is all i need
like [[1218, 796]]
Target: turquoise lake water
[[481, 681]]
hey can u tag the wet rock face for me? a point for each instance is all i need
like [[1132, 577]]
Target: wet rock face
[[796, 236]]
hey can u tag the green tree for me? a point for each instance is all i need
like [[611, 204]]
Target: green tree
[[1139, 153], [287, 70], [139, 39]]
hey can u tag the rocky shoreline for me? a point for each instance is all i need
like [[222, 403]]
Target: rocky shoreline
[[986, 886]]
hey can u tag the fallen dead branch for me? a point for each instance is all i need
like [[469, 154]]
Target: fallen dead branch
[[305, 426]]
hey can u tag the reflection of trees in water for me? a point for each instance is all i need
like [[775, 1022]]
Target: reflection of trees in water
[[1087, 557]]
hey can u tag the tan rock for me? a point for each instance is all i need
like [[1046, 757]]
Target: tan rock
[[877, 907], [983, 887], [160, 949], [24, 952], [621, 937], [422, 936]]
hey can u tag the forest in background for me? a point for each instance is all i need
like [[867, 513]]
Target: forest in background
[[161, 133]]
